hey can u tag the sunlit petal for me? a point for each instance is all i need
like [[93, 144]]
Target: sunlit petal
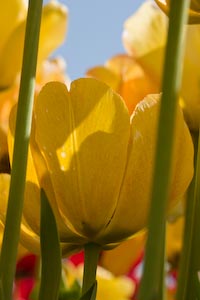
[[85, 150], [52, 34], [12, 13]]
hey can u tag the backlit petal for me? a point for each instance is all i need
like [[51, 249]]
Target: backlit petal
[[12, 13], [52, 34], [127, 77], [31, 210], [85, 149], [133, 205], [144, 37], [106, 75]]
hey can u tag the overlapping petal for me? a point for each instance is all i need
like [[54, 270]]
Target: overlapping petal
[[136, 187], [99, 164], [85, 151], [30, 225], [144, 37], [95, 164], [52, 34], [147, 45], [127, 77]]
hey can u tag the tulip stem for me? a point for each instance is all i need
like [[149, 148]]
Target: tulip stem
[[164, 150], [190, 261], [92, 252], [22, 134]]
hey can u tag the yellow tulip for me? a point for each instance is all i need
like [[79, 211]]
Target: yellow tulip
[[144, 37], [127, 77], [194, 11], [95, 163], [53, 30]]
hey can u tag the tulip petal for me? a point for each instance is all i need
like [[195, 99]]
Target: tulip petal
[[127, 77], [106, 75], [12, 13], [52, 34], [120, 259], [31, 211], [83, 135], [144, 37], [53, 28], [133, 205], [145, 30]]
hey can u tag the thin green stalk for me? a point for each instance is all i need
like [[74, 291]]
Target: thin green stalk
[[22, 133], [190, 260], [92, 252], [160, 191]]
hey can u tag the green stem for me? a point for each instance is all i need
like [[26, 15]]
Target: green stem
[[160, 191], [92, 252], [190, 261], [22, 134]]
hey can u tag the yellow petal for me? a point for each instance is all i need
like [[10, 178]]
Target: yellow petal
[[133, 205], [127, 77], [145, 30], [104, 74], [120, 259], [78, 133], [144, 37], [12, 13], [52, 34], [31, 210], [190, 90], [53, 28]]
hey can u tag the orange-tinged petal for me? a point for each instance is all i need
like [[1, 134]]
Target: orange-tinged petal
[[52, 34], [127, 77], [136, 83], [85, 159], [120, 259], [133, 205]]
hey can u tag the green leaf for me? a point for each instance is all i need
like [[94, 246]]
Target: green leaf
[[50, 253], [91, 293]]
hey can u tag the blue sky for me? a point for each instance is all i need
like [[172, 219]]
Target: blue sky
[[94, 34]]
